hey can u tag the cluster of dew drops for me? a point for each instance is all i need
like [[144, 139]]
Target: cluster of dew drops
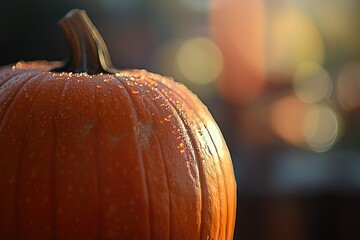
[[149, 90]]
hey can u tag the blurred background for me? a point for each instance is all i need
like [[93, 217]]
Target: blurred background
[[281, 78]]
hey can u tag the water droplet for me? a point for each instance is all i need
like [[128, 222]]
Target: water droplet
[[120, 86], [106, 80], [134, 91], [129, 83], [98, 86], [168, 118], [132, 78]]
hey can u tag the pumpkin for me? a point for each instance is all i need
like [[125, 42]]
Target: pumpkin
[[91, 152]]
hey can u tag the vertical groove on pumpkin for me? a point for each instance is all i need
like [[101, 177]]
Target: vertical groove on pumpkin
[[217, 152], [53, 162], [161, 153], [141, 159], [196, 156], [5, 80], [97, 165], [12, 98], [167, 181], [225, 185], [228, 219], [159, 146], [24, 143], [209, 134]]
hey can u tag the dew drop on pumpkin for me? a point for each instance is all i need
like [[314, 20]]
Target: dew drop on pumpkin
[[98, 86], [134, 91], [106, 80], [120, 86], [168, 118]]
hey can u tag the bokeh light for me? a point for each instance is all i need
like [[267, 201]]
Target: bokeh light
[[287, 118], [200, 60], [293, 39], [312, 83], [305, 125], [321, 128]]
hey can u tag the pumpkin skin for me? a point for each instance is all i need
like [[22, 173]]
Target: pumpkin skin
[[130, 155]]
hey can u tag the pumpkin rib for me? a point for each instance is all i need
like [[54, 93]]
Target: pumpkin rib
[[15, 94], [196, 156], [216, 149], [53, 168], [166, 171], [4, 118], [9, 78], [229, 216], [201, 122], [167, 181], [97, 164], [8, 100], [140, 154], [223, 177], [161, 153], [34, 78]]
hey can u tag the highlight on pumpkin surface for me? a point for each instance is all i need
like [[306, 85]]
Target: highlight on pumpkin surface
[[305, 125], [348, 89], [312, 83], [199, 60]]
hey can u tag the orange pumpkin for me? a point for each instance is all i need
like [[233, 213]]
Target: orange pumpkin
[[91, 152]]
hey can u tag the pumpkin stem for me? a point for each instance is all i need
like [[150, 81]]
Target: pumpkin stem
[[87, 49]]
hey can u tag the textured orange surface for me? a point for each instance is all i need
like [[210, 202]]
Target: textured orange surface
[[131, 155]]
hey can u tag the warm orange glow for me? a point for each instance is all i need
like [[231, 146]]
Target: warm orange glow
[[238, 28], [314, 126], [287, 118]]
